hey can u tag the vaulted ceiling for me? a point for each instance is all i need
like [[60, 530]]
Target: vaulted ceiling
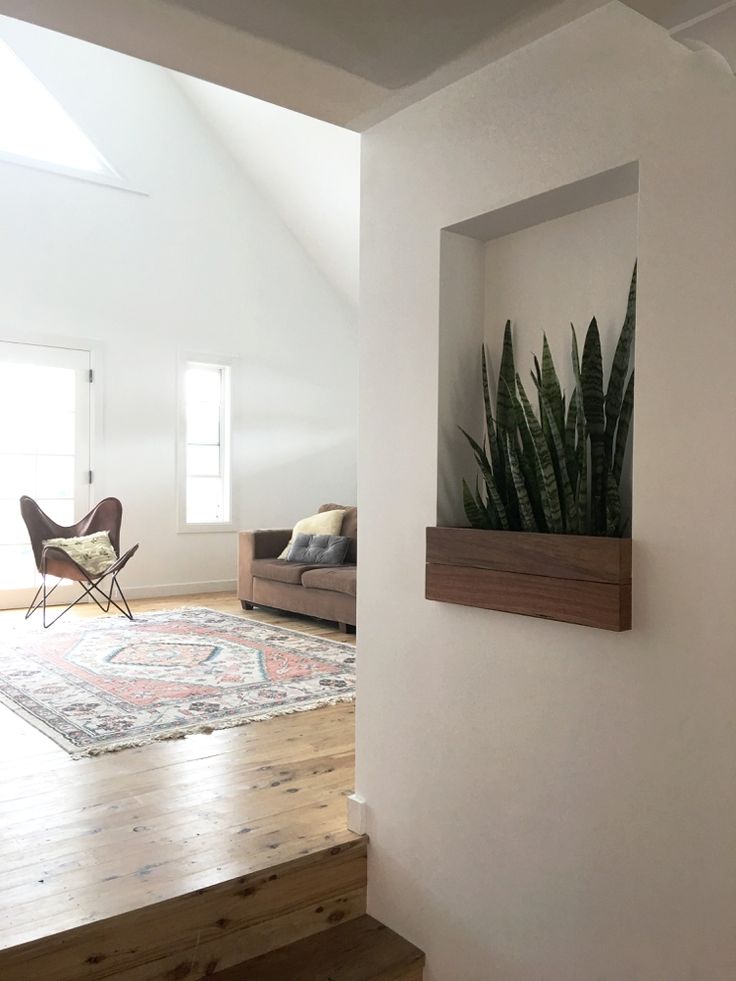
[[308, 171], [389, 43], [350, 62], [395, 43]]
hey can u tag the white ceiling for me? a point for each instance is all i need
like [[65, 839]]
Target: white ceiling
[[718, 31], [389, 42], [350, 62], [395, 43]]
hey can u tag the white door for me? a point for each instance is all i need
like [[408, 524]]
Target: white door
[[44, 452]]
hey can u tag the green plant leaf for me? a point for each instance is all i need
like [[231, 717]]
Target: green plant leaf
[[528, 460], [613, 508], [550, 386], [536, 374], [567, 496], [550, 495], [529, 464], [570, 431], [488, 508], [591, 370], [575, 357], [550, 393], [506, 383], [581, 496], [496, 458], [581, 449], [526, 511], [591, 373], [558, 471], [622, 432], [619, 370], [484, 464], [473, 512], [505, 423]]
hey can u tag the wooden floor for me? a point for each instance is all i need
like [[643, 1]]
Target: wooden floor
[[85, 839], [360, 950]]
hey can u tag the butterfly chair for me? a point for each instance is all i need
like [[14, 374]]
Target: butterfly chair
[[50, 561]]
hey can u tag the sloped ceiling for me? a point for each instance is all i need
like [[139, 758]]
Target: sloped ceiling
[[392, 43], [718, 31], [349, 62], [307, 169], [405, 50], [386, 42]]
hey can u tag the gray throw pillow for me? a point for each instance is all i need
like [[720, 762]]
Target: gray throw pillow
[[319, 549]]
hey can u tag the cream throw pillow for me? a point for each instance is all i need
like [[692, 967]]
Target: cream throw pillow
[[325, 523], [93, 552]]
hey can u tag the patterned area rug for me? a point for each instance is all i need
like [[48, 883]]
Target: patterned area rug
[[99, 685]]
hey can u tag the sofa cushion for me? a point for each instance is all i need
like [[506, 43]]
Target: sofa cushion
[[342, 579], [319, 549], [349, 527], [279, 570], [322, 523]]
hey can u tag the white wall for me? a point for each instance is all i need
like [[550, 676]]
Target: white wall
[[199, 262], [308, 171], [462, 320], [547, 801], [560, 272]]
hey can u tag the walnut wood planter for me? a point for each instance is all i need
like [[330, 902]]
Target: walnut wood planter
[[573, 578]]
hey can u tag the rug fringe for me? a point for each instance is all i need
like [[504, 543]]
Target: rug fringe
[[207, 728]]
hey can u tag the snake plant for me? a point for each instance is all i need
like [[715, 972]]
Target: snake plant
[[556, 470]]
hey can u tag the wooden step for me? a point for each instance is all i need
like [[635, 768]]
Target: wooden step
[[209, 929], [361, 950]]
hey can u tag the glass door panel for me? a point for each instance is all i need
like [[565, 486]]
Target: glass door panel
[[44, 451]]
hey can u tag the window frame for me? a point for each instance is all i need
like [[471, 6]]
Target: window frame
[[107, 175], [225, 365]]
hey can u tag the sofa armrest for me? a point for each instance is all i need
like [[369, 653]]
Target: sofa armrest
[[266, 544]]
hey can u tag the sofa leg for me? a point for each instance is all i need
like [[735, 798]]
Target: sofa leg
[[346, 628], [246, 605]]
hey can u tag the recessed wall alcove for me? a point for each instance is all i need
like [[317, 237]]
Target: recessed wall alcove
[[543, 262]]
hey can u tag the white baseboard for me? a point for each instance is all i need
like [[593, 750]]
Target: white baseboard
[[19, 599], [357, 814], [181, 589]]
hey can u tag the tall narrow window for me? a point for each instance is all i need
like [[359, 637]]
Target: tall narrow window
[[206, 444]]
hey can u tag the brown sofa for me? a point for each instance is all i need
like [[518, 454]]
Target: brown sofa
[[323, 591]]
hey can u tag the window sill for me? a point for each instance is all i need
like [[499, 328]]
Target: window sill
[[112, 180], [207, 528]]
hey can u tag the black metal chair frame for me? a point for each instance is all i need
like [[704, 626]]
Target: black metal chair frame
[[91, 585]]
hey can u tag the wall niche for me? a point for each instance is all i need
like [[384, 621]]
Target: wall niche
[[559, 257]]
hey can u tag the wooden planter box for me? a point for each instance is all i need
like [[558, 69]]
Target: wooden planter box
[[573, 578]]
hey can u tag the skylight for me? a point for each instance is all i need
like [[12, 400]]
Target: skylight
[[35, 128]]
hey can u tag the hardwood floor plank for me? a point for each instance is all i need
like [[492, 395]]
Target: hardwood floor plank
[[205, 774], [239, 785], [359, 950], [108, 853], [88, 839], [215, 926], [310, 732], [66, 913]]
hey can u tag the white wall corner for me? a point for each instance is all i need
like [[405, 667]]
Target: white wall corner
[[357, 814]]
